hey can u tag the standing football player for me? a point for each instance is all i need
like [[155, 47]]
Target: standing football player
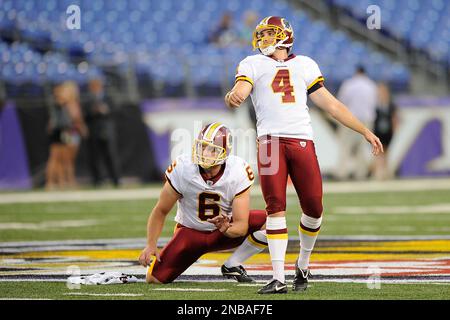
[[279, 83], [212, 189]]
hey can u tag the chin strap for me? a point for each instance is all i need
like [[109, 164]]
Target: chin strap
[[268, 51]]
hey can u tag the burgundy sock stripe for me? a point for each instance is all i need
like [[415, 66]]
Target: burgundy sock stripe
[[279, 231], [309, 229], [257, 241]]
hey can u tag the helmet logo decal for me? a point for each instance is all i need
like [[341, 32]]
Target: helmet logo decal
[[212, 146], [229, 141], [286, 24]]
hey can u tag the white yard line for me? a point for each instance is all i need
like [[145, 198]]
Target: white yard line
[[47, 225], [153, 192], [386, 281], [104, 294], [47, 280], [22, 298], [443, 208], [256, 284], [387, 186], [139, 243], [190, 289]]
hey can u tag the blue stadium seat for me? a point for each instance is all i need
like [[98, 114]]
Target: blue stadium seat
[[413, 20], [113, 31]]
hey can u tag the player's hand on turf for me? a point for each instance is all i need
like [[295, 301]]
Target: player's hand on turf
[[148, 254], [234, 99], [222, 222], [377, 146]]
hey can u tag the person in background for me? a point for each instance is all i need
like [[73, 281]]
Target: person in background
[[359, 94], [223, 34], [245, 32], [59, 120], [384, 127], [101, 140], [76, 131], [65, 127]]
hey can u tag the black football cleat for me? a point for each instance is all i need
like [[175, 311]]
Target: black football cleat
[[273, 287], [301, 279], [237, 273]]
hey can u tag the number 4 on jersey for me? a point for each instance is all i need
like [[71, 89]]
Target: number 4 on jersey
[[282, 84]]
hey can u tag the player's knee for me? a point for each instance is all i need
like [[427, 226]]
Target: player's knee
[[257, 212], [275, 206], [277, 214], [312, 207], [256, 220], [151, 279]]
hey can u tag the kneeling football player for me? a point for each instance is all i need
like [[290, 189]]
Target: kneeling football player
[[212, 189]]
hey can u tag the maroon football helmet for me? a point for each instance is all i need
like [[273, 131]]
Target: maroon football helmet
[[213, 145], [283, 35]]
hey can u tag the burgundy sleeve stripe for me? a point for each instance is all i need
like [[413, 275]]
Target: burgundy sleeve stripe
[[241, 192], [170, 182], [309, 229], [279, 231], [258, 241]]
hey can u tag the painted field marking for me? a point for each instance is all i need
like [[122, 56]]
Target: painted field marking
[[136, 243], [23, 298], [443, 208], [154, 192], [189, 289], [259, 283], [46, 225], [104, 294], [384, 281]]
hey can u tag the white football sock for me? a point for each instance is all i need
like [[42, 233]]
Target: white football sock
[[255, 243], [277, 239], [308, 231]]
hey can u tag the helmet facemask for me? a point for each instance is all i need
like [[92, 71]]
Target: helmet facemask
[[267, 44], [206, 154]]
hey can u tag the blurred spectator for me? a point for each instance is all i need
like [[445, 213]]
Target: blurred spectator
[[224, 33], [101, 140], [78, 129], [384, 127], [359, 94], [245, 33], [66, 127], [59, 119]]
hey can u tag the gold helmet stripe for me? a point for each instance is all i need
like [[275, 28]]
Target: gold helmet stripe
[[266, 19], [212, 130], [207, 130], [216, 130]]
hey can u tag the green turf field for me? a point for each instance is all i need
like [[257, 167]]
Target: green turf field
[[417, 213], [127, 219], [229, 291]]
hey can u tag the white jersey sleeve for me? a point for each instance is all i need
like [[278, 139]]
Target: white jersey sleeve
[[244, 178], [174, 175], [313, 74], [245, 72]]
